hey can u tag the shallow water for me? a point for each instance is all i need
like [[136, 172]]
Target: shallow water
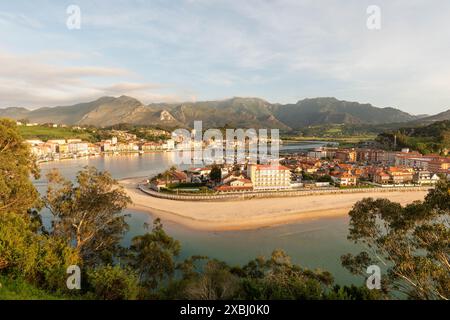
[[311, 243]]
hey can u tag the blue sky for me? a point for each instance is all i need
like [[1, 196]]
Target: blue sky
[[190, 50]]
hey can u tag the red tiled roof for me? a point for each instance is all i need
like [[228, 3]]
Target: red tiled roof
[[178, 175], [230, 188]]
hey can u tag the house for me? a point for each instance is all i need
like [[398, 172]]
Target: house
[[157, 184], [381, 177], [344, 167], [231, 176], [168, 177], [199, 173], [176, 176], [400, 175], [345, 179], [235, 185], [424, 177]]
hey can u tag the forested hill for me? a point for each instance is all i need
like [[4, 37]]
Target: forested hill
[[433, 138]]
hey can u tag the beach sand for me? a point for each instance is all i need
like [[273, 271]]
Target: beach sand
[[253, 213]]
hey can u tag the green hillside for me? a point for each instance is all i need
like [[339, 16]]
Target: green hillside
[[433, 138], [18, 289], [47, 133]]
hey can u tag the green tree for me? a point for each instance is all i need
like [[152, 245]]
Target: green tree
[[40, 259], [17, 192], [153, 255], [88, 214], [260, 279], [216, 173], [412, 243], [113, 283], [325, 178], [353, 292], [278, 278], [216, 282], [203, 279]]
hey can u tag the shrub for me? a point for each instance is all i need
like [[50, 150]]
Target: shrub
[[113, 283], [40, 259]]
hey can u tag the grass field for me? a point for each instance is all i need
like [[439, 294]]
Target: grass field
[[349, 139], [18, 289], [45, 133]]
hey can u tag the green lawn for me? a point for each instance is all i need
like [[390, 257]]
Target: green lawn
[[45, 133], [18, 289], [349, 139]]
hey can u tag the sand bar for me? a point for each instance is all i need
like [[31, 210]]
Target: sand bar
[[253, 213]]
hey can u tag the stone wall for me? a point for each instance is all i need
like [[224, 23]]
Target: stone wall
[[275, 194]]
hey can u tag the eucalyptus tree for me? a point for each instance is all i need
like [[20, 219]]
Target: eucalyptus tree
[[412, 243]]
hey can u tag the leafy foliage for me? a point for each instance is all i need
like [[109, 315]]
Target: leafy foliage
[[216, 173], [433, 138], [88, 214], [152, 255], [412, 243], [113, 283], [17, 192], [41, 259]]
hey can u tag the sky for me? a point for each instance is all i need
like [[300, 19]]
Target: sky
[[194, 50]]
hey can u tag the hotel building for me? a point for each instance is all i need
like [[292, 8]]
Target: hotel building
[[269, 177]]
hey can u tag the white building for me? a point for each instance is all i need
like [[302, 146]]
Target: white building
[[80, 148], [269, 177], [425, 177]]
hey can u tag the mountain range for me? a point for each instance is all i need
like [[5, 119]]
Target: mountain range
[[235, 112]]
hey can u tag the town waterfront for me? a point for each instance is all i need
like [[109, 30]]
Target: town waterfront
[[315, 243]]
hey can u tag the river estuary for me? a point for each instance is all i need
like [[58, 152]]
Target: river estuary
[[313, 243]]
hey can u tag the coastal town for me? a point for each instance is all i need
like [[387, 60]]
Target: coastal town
[[121, 142], [59, 149], [320, 168], [326, 167]]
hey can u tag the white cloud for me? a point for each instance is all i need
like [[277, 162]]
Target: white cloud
[[280, 49], [29, 81], [19, 19]]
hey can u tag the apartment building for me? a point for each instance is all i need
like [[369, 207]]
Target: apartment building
[[400, 175], [346, 155], [80, 148], [440, 164]]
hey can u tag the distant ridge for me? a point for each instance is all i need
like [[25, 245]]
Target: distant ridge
[[235, 112], [443, 116]]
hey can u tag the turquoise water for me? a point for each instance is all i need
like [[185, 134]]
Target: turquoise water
[[312, 243]]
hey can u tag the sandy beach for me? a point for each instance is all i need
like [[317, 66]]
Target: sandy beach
[[253, 213]]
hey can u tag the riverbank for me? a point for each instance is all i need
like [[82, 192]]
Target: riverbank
[[254, 213]]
